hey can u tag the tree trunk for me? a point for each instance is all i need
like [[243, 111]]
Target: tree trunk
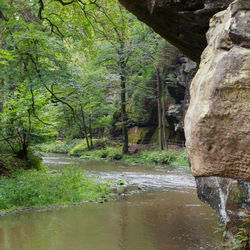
[[85, 129], [159, 110], [1, 80], [90, 133], [1, 104], [124, 115], [123, 98], [165, 143]]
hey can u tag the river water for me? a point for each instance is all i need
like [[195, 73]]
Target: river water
[[166, 215]]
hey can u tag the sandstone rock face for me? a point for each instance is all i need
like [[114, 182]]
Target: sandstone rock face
[[217, 124], [184, 23]]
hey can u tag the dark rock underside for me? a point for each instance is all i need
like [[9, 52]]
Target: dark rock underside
[[183, 23]]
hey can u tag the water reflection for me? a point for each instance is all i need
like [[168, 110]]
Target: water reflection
[[149, 221]]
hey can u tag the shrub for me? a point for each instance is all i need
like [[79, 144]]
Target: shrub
[[60, 147], [110, 153], [114, 154], [78, 149], [10, 163], [181, 159], [159, 157]]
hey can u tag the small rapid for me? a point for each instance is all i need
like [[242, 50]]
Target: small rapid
[[146, 178]]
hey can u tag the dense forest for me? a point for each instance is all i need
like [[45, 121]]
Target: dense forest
[[83, 69], [85, 84]]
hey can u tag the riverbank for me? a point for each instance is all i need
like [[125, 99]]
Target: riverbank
[[165, 205], [29, 189], [40, 188], [110, 151]]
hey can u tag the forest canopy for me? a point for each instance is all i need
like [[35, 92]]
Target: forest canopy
[[75, 69]]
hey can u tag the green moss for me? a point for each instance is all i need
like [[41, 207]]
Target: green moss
[[79, 148], [237, 195], [154, 138], [137, 134]]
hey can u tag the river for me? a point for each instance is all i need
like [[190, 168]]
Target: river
[[165, 215]]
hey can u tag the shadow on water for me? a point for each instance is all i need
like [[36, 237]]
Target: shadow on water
[[164, 218]]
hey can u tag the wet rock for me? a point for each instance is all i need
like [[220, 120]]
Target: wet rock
[[217, 124], [140, 135], [213, 191], [175, 110], [133, 149], [228, 197]]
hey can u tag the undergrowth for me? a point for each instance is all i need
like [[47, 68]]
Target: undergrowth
[[76, 147], [9, 163], [237, 238], [107, 150], [157, 157], [31, 188]]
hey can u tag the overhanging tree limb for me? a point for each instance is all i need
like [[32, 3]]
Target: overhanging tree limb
[[52, 25]]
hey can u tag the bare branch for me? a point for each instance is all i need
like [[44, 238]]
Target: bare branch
[[54, 28]]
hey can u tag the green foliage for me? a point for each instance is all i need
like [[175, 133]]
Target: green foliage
[[114, 154], [174, 158], [20, 125], [182, 159], [75, 147], [60, 147], [62, 74], [42, 188], [242, 238], [81, 147], [158, 157], [10, 163], [110, 153], [236, 238]]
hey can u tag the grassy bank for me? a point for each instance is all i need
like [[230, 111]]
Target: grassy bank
[[32, 188], [105, 150], [174, 158]]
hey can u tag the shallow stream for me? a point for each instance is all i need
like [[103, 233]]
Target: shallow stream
[[166, 215]]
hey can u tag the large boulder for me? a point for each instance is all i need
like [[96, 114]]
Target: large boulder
[[217, 124]]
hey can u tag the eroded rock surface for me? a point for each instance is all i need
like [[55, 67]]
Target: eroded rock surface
[[229, 198], [184, 23], [217, 124]]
